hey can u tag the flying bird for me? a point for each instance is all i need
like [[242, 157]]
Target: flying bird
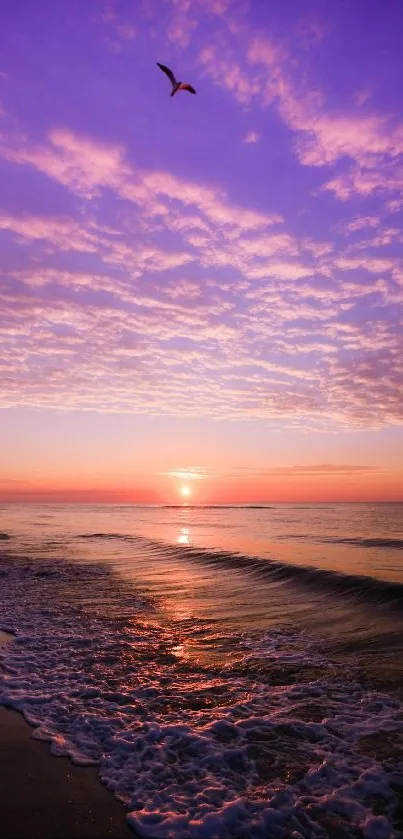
[[175, 84]]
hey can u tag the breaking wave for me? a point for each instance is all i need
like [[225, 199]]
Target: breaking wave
[[197, 751], [363, 587]]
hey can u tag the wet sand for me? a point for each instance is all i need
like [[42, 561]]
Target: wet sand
[[47, 797]]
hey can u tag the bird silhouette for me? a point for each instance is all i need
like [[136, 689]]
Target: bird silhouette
[[175, 84]]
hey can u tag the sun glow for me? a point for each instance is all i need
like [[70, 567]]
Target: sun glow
[[185, 491]]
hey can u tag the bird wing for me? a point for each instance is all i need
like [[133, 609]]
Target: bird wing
[[168, 72], [187, 87]]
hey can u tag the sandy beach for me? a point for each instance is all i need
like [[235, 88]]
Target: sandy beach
[[47, 797]]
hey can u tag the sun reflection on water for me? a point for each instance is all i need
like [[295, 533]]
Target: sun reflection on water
[[184, 536]]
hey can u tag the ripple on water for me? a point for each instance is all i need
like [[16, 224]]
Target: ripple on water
[[195, 751]]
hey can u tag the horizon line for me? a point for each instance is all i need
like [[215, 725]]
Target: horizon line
[[253, 505]]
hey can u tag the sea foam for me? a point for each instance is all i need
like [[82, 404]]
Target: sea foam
[[241, 751]]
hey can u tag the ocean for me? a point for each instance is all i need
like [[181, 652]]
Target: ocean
[[232, 672]]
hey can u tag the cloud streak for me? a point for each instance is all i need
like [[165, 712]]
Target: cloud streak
[[272, 342], [257, 276]]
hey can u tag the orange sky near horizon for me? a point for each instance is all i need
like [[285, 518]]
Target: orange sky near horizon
[[110, 458], [320, 484]]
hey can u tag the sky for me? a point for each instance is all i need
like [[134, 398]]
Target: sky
[[201, 291]]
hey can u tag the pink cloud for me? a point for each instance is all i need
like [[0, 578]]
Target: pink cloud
[[252, 137], [65, 233], [366, 181], [264, 74], [78, 163], [182, 24], [86, 166], [361, 223], [265, 342], [374, 265], [184, 17], [362, 138], [228, 73]]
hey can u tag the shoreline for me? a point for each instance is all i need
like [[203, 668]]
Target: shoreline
[[43, 796]]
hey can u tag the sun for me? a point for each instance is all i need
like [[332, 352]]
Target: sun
[[185, 491]]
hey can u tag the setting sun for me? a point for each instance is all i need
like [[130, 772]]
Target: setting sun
[[185, 491]]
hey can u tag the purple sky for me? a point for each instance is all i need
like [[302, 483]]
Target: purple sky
[[213, 281]]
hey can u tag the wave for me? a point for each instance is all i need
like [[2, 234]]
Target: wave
[[196, 751], [376, 542], [355, 541], [359, 586], [4, 537]]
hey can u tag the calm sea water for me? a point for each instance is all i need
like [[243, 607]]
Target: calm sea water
[[233, 672]]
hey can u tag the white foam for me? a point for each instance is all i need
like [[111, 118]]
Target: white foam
[[195, 753]]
